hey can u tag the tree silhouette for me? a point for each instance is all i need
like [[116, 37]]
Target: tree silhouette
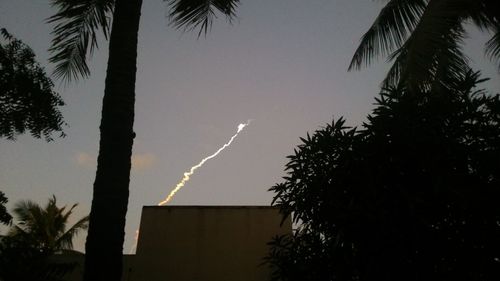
[[46, 228], [424, 39], [77, 24], [5, 217], [27, 100], [37, 234], [410, 195]]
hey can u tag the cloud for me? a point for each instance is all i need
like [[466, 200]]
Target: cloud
[[86, 160], [140, 161]]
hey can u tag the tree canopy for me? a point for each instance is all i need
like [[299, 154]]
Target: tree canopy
[[5, 217], [412, 194], [46, 228], [35, 236], [424, 39], [28, 102]]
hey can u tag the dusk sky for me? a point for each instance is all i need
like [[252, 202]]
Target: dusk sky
[[281, 63]]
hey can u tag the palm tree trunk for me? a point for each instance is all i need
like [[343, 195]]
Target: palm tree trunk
[[104, 246]]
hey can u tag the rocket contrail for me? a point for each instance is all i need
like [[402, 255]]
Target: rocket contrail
[[136, 238], [187, 175]]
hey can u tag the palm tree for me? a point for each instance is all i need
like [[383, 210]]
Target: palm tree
[[77, 24], [26, 252], [46, 229], [424, 39]]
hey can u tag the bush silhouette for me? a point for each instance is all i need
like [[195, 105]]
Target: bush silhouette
[[411, 195]]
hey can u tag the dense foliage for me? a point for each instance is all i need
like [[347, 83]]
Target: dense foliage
[[20, 261], [412, 195], [27, 100], [5, 217]]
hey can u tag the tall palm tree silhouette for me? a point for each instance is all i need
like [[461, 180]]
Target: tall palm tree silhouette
[[77, 24]]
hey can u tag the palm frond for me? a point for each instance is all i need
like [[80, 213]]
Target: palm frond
[[433, 52], [65, 241], [468, 85], [477, 11], [193, 14], [30, 222], [419, 69], [486, 13], [26, 212], [5, 34], [16, 230], [65, 217], [77, 24], [451, 64], [389, 31], [45, 228], [493, 47]]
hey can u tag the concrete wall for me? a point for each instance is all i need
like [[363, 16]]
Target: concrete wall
[[205, 243]]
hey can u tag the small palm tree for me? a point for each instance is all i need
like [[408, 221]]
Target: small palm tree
[[424, 39], [46, 228]]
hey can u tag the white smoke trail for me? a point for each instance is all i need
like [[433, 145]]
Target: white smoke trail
[[134, 247], [187, 175]]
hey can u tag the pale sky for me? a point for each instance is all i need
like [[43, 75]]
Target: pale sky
[[282, 63]]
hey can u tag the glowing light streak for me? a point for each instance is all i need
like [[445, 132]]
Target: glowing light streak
[[136, 238], [187, 175]]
